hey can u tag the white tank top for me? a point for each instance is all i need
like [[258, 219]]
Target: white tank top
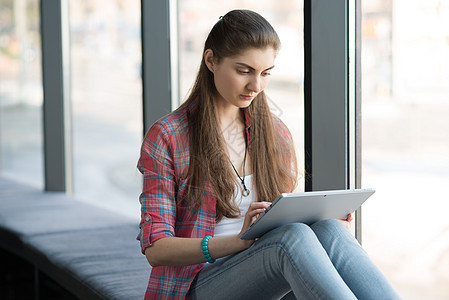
[[233, 226]]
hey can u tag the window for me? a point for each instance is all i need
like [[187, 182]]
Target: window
[[21, 92], [285, 91], [406, 143], [106, 102]]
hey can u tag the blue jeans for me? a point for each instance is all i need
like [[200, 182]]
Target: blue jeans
[[322, 261]]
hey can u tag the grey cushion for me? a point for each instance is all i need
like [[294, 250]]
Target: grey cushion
[[90, 251]]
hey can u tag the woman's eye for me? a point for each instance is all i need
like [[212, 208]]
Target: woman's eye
[[266, 74], [243, 72]]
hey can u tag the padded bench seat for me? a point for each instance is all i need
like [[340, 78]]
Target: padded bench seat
[[91, 252]]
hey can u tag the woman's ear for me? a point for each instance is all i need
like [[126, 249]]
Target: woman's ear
[[209, 59]]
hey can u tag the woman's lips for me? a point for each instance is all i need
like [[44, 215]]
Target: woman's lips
[[246, 97]]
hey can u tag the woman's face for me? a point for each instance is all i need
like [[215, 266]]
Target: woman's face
[[238, 79]]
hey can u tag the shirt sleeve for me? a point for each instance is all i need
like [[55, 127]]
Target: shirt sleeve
[[158, 204]]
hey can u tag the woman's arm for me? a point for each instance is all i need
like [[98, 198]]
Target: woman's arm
[[175, 251]]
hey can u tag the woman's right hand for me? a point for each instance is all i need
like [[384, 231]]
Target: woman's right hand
[[254, 210], [175, 251]]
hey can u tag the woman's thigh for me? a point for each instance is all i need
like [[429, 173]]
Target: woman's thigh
[[289, 257], [243, 275]]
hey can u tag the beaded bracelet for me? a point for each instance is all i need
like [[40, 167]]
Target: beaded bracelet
[[205, 249]]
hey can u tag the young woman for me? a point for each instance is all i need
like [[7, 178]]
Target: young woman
[[213, 165]]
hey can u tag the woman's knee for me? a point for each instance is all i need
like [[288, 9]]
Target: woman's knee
[[330, 226], [333, 234], [296, 230], [290, 236]]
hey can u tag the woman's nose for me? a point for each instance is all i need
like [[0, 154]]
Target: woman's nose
[[255, 84]]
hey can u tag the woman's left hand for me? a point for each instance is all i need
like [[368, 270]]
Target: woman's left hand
[[347, 222]]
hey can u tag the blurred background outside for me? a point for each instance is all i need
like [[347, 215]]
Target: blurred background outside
[[106, 87], [405, 92], [405, 143]]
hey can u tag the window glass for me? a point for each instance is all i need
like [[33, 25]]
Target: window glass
[[405, 92], [285, 91], [106, 101], [21, 91]]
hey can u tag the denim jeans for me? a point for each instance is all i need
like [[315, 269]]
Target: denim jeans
[[322, 261]]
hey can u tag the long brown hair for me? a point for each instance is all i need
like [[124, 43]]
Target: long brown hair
[[272, 157]]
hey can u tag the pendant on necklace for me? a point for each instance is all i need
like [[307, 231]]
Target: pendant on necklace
[[245, 192]]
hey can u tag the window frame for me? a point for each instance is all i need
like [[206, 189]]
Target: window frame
[[332, 72], [332, 44], [56, 96]]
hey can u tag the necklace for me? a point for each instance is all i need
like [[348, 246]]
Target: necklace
[[245, 191]]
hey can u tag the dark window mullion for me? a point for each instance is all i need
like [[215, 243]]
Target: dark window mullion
[[156, 77], [56, 105]]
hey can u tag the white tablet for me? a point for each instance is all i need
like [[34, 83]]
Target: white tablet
[[308, 208]]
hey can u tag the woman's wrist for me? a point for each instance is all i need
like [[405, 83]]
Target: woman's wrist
[[227, 245], [243, 244], [205, 249]]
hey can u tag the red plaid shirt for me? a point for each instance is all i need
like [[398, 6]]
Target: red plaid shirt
[[164, 163]]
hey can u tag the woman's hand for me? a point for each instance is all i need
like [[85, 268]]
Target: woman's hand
[[175, 251], [254, 210], [347, 222]]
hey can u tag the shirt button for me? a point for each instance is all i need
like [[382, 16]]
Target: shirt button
[[147, 219]]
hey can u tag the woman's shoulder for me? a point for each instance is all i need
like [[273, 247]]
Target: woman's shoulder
[[280, 126], [174, 123]]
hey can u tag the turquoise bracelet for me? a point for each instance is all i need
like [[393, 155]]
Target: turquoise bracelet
[[205, 249]]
